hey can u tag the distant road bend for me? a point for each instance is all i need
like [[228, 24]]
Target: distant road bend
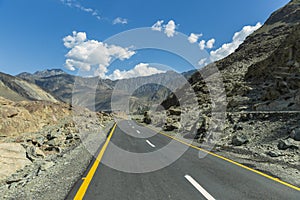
[[189, 177]]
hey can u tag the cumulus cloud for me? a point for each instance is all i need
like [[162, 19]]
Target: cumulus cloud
[[203, 62], [71, 41], [210, 43], [202, 44], [101, 71], [157, 26], [169, 28], [120, 20], [76, 4], [85, 54], [237, 40], [142, 69], [193, 38]]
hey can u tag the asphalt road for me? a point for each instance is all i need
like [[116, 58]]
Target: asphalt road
[[188, 177]]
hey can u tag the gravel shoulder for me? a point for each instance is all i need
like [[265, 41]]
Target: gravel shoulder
[[274, 167], [53, 177]]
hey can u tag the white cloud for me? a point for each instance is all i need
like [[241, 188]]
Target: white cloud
[[237, 39], [85, 54], [157, 26], [71, 64], [202, 62], [75, 39], [142, 69], [202, 44], [87, 9], [193, 38], [76, 4], [101, 71], [210, 43], [120, 20], [170, 28]]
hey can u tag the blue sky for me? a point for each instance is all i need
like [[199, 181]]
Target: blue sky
[[32, 31]]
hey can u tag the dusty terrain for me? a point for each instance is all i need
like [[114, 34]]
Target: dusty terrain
[[43, 147]]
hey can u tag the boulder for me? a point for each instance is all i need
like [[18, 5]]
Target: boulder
[[54, 149], [239, 140], [33, 153], [49, 136], [55, 142], [286, 144], [274, 154], [173, 111], [12, 158], [171, 127], [203, 124], [283, 145], [295, 134], [47, 165], [147, 118], [237, 127], [69, 136], [40, 140]]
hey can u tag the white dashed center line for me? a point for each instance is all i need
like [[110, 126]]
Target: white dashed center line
[[152, 145], [132, 127], [138, 131], [199, 188]]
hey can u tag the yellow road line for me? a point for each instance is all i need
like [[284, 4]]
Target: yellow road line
[[84, 186], [231, 161]]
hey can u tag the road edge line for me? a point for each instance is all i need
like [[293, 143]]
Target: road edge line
[[231, 161], [84, 186]]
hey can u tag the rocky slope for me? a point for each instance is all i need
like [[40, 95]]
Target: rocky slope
[[258, 47], [29, 116], [264, 69], [275, 81], [261, 81], [61, 84], [16, 89], [40, 137], [148, 89], [46, 141]]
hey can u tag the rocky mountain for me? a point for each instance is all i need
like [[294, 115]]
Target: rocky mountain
[[16, 89], [275, 37], [35, 134], [36, 130], [275, 81], [44, 73], [61, 84], [44, 142], [145, 90], [262, 87], [40, 135], [269, 54]]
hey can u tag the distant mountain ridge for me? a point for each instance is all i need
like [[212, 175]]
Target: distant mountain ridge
[[16, 89], [61, 85]]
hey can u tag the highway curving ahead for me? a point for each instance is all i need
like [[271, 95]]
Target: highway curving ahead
[[136, 163]]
